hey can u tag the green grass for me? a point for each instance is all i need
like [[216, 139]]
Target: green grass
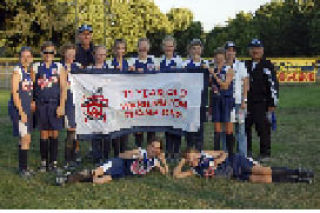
[[296, 142]]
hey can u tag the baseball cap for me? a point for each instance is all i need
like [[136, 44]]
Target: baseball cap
[[229, 44], [85, 27], [255, 43]]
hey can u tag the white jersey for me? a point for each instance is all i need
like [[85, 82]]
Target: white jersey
[[240, 73]]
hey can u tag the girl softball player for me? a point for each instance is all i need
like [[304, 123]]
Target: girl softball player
[[167, 62], [222, 99], [209, 163], [143, 63], [195, 50], [120, 64], [50, 95], [21, 106], [68, 52], [100, 54]]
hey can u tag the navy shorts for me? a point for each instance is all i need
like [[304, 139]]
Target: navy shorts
[[70, 111], [118, 167], [222, 107], [46, 115], [242, 167], [15, 118]]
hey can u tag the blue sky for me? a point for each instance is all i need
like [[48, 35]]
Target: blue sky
[[212, 12]]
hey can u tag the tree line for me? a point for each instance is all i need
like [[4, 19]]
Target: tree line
[[287, 28]]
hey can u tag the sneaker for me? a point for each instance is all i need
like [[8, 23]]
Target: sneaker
[[43, 167], [53, 166], [26, 173], [265, 159]]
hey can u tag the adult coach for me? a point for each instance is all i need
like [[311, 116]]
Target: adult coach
[[84, 51], [262, 98], [240, 90]]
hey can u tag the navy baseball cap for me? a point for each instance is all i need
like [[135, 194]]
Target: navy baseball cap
[[85, 27], [255, 43], [230, 44], [196, 42]]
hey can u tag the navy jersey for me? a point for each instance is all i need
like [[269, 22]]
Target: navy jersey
[[146, 65], [47, 82], [222, 75], [104, 66], [175, 62], [118, 167], [114, 63], [189, 63], [205, 167], [25, 91]]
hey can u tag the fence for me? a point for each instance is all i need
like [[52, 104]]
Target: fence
[[289, 70]]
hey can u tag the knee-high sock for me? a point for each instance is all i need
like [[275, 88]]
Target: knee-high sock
[[23, 159], [139, 139], [283, 174], [230, 143], [216, 141], [69, 146], [44, 149], [53, 149]]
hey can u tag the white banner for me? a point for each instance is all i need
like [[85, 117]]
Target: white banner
[[107, 103]]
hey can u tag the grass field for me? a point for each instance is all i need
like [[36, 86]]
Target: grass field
[[295, 143]]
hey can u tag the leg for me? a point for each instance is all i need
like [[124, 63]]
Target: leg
[[123, 143], [260, 178], [229, 138], [217, 133], [106, 147], [139, 139], [150, 137], [262, 128], [96, 150], [102, 180], [23, 152], [44, 142], [116, 147], [69, 146], [261, 170], [248, 130], [169, 144], [53, 138], [176, 145]]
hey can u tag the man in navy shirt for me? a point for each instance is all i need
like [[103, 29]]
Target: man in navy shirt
[[84, 51]]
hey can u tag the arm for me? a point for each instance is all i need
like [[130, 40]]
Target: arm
[[229, 77], [130, 154], [63, 92], [16, 97], [177, 172], [219, 156], [273, 87], [163, 169]]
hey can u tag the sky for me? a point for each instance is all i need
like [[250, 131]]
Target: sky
[[212, 12]]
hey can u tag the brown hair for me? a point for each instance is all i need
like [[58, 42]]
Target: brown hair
[[46, 44], [158, 140], [65, 47]]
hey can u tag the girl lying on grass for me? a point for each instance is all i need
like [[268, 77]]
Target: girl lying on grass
[[131, 162], [217, 163]]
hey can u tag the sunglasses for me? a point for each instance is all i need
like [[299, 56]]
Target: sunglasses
[[48, 52]]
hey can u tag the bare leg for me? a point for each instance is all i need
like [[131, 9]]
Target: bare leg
[[261, 170], [102, 180], [260, 178]]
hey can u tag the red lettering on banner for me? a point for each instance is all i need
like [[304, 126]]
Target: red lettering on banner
[[312, 77]]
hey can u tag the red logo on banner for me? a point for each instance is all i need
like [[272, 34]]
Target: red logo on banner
[[95, 107]]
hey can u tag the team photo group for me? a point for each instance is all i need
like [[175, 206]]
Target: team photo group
[[105, 99]]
